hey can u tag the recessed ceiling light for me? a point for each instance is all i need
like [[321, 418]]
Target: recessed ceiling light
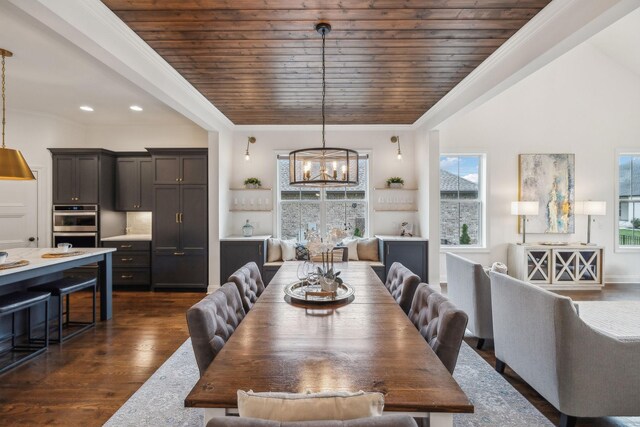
[[86, 108], [135, 108]]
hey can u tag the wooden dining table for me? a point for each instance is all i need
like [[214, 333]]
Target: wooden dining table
[[367, 344]]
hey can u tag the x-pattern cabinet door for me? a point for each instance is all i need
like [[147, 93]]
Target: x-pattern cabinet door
[[576, 265], [538, 266]]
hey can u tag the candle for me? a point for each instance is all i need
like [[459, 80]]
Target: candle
[[344, 172], [335, 170]]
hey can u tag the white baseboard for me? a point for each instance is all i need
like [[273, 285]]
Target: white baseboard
[[622, 279]]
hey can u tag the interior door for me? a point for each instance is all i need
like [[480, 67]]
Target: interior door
[[18, 214]]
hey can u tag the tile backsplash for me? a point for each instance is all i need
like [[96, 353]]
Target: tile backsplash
[[138, 223]]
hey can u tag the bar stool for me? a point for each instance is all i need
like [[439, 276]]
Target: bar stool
[[65, 287], [19, 301]]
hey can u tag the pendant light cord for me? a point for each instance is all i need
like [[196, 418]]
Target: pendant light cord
[[4, 121], [324, 87]]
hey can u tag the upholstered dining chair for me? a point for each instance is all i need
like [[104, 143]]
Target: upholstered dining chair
[[212, 321], [386, 421], [249, 283], [469, 288], [439, 322], [402, 284]]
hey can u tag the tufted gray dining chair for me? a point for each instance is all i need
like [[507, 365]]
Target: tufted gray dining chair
[[212, 321], [440, 323], [249, 283], [402, 284]]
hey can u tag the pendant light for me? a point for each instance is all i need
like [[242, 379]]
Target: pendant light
[[323, 166], [12, 164]]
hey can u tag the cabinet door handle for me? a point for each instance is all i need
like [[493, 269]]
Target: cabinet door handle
[[177, 218], [178, 253], [260, 249], [126, 246], [181, 217], [126, 259], [177, 179], [127, 276]]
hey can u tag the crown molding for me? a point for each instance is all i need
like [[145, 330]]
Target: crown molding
[[92, 26], [558, 28]]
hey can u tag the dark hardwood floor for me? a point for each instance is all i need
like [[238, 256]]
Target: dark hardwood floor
[[611, 292], [85, 380]]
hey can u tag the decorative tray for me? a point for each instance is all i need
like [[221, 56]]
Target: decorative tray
[[302, 291], [555, 243], [61, 254], [14, 264]]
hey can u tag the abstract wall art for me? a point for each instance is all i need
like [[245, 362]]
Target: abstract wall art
[[550, 179]]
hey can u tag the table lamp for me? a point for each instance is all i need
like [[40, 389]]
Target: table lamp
[[590, 207], [522, 208]]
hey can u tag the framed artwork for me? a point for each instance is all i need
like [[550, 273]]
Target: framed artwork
[[550, 179]]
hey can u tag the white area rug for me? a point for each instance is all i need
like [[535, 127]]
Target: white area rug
[[160, 401], [620, 319]]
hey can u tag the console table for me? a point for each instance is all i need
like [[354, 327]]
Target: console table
[[561, 267]]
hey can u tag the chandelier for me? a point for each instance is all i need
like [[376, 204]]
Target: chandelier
[[323, 166], [12, 164]]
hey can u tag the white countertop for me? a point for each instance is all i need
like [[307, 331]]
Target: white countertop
[[401, 238], [34, 256], [128, 237], [241, 238]]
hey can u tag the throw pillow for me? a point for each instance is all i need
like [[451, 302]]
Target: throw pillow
[[352, 248], [368, 249], [288, 250], [274, 253], [309, 406], [302, 253]]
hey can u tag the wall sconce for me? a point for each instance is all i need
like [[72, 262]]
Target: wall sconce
[[394, 140], [250, 140], [590, 207], [522, 209]]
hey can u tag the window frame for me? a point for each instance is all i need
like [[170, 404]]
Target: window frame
[[632, 152], [323, 197], [481, 246]]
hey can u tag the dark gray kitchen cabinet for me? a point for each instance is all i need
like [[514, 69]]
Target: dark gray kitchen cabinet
[[179, 167], [236, 253], [180, 219], [134, 177], [84, 176], [131, 263], [413, 253], [75, 178]]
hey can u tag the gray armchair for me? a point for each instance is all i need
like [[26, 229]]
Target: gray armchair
[[385, 421], [579, 370], [469, 288]]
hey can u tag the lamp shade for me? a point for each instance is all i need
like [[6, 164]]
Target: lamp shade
[[13, 165], [524, 208], [591, 207]]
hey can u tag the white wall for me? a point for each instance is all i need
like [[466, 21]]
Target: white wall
[[383, 164], [582, 103]]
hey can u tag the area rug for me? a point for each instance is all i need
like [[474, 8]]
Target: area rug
[[160, 400], [620, 319]]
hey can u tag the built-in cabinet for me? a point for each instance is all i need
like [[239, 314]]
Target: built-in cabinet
[[412, 252], [180, 212], [76, 178], [236, 252], [134, 183], [559, 267], [131, 262]]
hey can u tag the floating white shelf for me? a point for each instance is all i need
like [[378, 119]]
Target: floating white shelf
[[395, 189], [251, 189], [395, 210]]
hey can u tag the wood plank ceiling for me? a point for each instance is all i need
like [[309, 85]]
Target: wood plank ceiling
[[388, 61]]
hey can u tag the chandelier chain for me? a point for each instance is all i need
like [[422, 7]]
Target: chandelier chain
[[4, 121], [324, 88]]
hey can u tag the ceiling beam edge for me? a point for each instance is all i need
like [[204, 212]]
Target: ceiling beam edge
[[558, 28], [90, 25]]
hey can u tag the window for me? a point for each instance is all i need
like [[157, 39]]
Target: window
[[303, 208], [629, 200], [461, 200]]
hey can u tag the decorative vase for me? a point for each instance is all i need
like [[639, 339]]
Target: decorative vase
[[396, 185], [329, 284], [251, 186], [247, 229]]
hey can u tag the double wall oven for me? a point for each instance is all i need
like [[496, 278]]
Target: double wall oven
[[76, 224]]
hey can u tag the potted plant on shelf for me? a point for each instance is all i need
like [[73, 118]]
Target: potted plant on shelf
[[252, 183], [395, 182]]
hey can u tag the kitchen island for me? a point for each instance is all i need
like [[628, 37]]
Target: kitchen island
[[39, 267]]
